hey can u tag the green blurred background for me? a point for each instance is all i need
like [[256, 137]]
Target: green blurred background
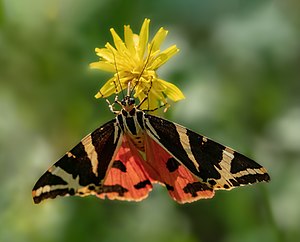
[[238, 66]]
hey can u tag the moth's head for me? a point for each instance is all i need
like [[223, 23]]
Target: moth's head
[[128, 103]]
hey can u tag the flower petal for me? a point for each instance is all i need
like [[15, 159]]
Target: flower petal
[[106, 54], [128, 35], [107, 89], [104, 66], [158, 39], [172, 91], [118, 41], [143, 38], [163, 57]]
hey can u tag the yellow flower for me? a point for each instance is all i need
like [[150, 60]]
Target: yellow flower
[[135, 61]]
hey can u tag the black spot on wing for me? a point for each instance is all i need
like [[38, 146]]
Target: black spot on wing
[[112, 188], [142, 184], [212, 182], [169, 187], [193, 188], [49, 179], [208, 154], [169, 138], [241, 163], [119, 165], [91, 187], [226, 186], [71, 192], [53, 194], [253, 178], [172, 164], [234, 182]]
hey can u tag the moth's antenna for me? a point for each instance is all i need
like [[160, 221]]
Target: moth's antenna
[[144, 67], [148, 93], [118, 77]]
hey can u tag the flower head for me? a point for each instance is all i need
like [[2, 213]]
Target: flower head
[[134, 64]]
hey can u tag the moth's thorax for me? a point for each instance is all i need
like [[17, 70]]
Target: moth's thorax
[[132, 124], [129, 109], [128, 112]]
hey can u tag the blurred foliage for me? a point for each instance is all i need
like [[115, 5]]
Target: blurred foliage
[[239, 69]]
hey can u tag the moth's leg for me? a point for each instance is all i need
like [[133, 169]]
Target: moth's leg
[[111, 105], [166, 105]]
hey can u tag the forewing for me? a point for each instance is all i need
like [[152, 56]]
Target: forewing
[[218, 166], [83, 168]]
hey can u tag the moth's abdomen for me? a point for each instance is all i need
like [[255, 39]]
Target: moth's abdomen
[[138, 141]]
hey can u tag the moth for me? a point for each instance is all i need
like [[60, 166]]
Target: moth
[[124, 158]]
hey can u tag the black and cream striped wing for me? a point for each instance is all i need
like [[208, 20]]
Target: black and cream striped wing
[[81, 170], [218, 166]]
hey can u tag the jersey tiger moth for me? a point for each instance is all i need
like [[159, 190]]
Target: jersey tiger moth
[[124, 157]]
